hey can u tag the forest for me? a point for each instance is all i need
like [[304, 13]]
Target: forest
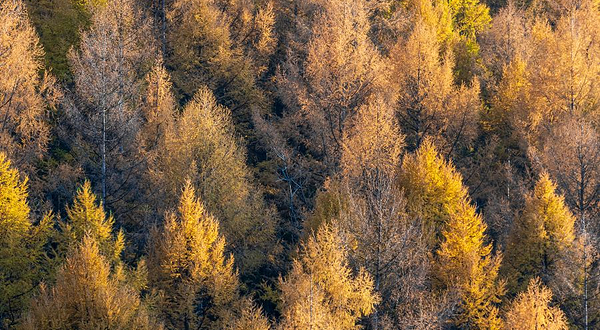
[[300, 164]]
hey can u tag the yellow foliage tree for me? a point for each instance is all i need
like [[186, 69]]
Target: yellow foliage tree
[[109, 66], [372, 145], [325, 83], [222, 44], [20, 244], [370, 210], [249, 317], [87, 295], [531, 310], [540, 237], [320, 291], [158, 111], [433, 189], [196, 283], [536, 98], [429, 104], [87, 217], [24, 133], [470, 18], [204, 147], [465, 265]]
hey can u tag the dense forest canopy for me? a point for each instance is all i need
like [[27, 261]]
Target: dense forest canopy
[[300, 164]]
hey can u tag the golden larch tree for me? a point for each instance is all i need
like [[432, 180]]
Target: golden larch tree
[[86, 217], [324, 84], [109, 67], [21, 244], [540, 238], [204, 147], [224, 45], [532, 310], [429, 104], [463, 264], [433, 189], [88, 295], [466, 265], [195, 281], [24, 132], [320, 292], [371, 212]]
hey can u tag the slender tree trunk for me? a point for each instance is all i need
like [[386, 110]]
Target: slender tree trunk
[[163, 32], [103, 155], [310, 322], [585, 275]]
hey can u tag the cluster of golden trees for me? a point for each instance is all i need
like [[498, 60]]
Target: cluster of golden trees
[[306, 164]]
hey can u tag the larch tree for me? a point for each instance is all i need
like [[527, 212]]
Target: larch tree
[[249, 317], [372, 145], [24, 132], [433, 189], [159, 112], [541, 236], [158, 119], [224, 45], [544, 243], [196, 283], [505, 49], [205, 148], [571, 154], [88, 295], [331, 69], [21, 242], [321, 292], [463, 265], [540, 97], [532, 310], [371, 212], [546, 104], [324, 86], [429, 104], [503, 41], [87, 217], [470, 18], [108, 67], [496, 179], [573, 88]]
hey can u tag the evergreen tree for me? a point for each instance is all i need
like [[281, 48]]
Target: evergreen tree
[[58, 23]]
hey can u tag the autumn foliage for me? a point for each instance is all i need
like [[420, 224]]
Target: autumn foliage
[[300, 164]]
